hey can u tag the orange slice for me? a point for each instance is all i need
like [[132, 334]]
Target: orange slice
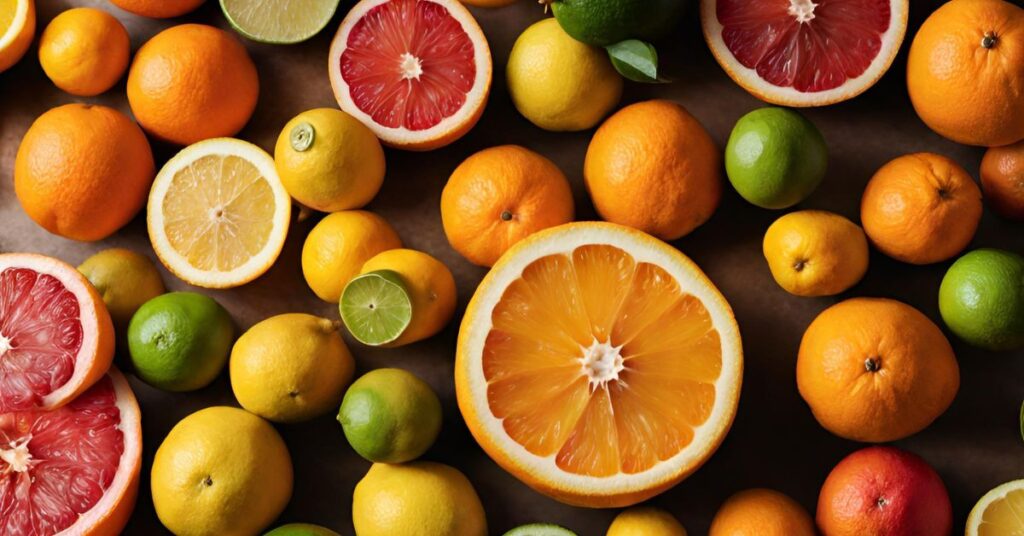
[[598, 364], [17, 27]]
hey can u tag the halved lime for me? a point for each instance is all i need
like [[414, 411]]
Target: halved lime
[[376, 307], [279, 21], [540, 529]]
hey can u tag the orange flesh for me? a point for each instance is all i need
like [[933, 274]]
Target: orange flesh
[[623, 421]]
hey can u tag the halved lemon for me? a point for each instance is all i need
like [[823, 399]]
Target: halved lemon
[[218, 214], [999, 512], [598, 364], [17, 27]]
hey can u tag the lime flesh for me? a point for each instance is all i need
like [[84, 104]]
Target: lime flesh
[[540, 529], [376, 307], [279, 21]]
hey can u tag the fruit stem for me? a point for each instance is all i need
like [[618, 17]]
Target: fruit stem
[[989, 40], [546, 4], [872, 364]]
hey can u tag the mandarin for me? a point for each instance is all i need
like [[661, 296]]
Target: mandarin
[[1002, 180], [84, 51], [761, 512], [158, 9]]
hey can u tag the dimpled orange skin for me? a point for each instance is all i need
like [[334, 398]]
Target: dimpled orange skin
[[652, 166], [83, 171], [192, 82], [1002, 180], [921, 208], [761, 512], [158, 9], [876, 370], [962, 89], [84, 51]]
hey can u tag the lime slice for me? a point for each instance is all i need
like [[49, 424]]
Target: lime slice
[[540, 529], [376, 307], [279, 21]]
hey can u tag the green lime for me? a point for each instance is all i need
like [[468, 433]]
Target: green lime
[[301, 529], [180, 341], [775, 157], [390, 416], [606, 22], [981, 299], [540, 529], [279, 21], [376, 307]]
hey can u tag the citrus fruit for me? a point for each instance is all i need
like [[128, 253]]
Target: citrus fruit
[[158, 9], [569, 372], [290, 368], [921, 208], [56, 337], [218, 214], [417, 498], [1002, 180], [125, 280], [376, 307], [970, 52], [775, 157], [880, 491], [84, 51], [221, 470], [417, 73], [876, 370], [180, 341], [606, 22], [761, 512], [301, 529], [278, 21], [328, 161], [559, 83], [540, 529], [17, 28], [654, 167], [75, 469], [83, 171], [192, 82], [774, 49], [815, 253], [997, 513], [339, 245], [489, 3], [645, 521], [390, 416], [982, 299], [499, 196]]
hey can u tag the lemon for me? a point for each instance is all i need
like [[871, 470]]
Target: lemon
[[417, 499], [290, 367], [559, 83], [301, 529], [815, 253], [337, 247], [221, 471], [125, 279], [645, 521], [329, 161]]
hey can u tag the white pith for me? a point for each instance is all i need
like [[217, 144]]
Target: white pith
[[411, 67], [601, 363], [20, 14], [16, 455], [802, 10], [978, 512], [5, 344]]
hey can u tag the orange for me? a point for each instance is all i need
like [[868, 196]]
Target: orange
[[499, 196], [965, 72], [921, 208], [1002, 180], [83, 171], [158, 9], [84, 51], [653, 167], [17, 28], [875, 370], [761, 512], [192, 82]]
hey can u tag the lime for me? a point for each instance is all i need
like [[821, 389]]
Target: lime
[[376, 307], [540, 529], [180, 341], [981, 299], [279, 21], [301, 529], [606, 22], [775, 157], [390, 416]]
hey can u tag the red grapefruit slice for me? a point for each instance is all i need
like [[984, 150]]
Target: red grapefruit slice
[[804, 52], [73, 470], [56, 338], [417, 72]]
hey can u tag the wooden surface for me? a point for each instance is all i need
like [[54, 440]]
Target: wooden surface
[[775, 441]]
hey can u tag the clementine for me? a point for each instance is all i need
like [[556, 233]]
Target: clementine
[[158, 9], [84, 51], [1002, 180], [761, 512]]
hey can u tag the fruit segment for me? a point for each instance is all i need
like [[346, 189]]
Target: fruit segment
[[1003, 516]]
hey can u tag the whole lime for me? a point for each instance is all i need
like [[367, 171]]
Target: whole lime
[[981, 299], [390, 416], [606, 22], [775, 157], [301, 529], [180, 341]]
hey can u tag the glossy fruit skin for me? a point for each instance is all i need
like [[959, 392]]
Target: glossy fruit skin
[[126, 280], [1002, 180], [339, 245], [815, 253], [606, 22], [83, 171], [21, 43], [652, 166], [431, 288], [158, 9], [915, 499], [84, 51], [761, 512], [301, 529], [981, 299], [645, 521]]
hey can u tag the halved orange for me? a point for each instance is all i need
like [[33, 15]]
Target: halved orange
[[598, 364]]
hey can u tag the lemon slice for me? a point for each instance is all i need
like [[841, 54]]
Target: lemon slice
[[218, 214], [17, 26], [999, 512]]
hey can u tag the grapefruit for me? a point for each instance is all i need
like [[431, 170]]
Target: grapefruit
[[804, 52], [417, 72]]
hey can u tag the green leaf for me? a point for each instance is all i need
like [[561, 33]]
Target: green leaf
[[635, 60]]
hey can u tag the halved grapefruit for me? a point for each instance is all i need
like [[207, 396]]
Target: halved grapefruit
[[417, 72], [73, 470], [598, 364], [56, 338], [804, 52]]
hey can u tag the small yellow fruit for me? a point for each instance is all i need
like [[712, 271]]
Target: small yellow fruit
[[84, 51], [645, 521], [816, 253], [431, 288], [125, 279], [339, 245]]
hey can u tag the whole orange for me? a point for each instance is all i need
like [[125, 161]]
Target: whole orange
[[654, 167], [192, 82], [83, 171], [921, 208], [498, 197], [761, 512], [965, 72], [1002, 180], [876, 370], [158, 9], [84, 51]]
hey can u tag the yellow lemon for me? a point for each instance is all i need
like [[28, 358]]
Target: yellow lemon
[[431, 289], [84, 51], [645, 521], [337, 247], [125, 279], [816, 253]]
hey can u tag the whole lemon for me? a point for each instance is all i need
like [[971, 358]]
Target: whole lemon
[[221, 471], [84, 51], [339, 245], [559, 83], [645, 521], [816, 253], [125, 279], [290, 367], [417, 499]]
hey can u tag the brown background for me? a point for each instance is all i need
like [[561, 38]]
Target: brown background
[[775, 441]]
